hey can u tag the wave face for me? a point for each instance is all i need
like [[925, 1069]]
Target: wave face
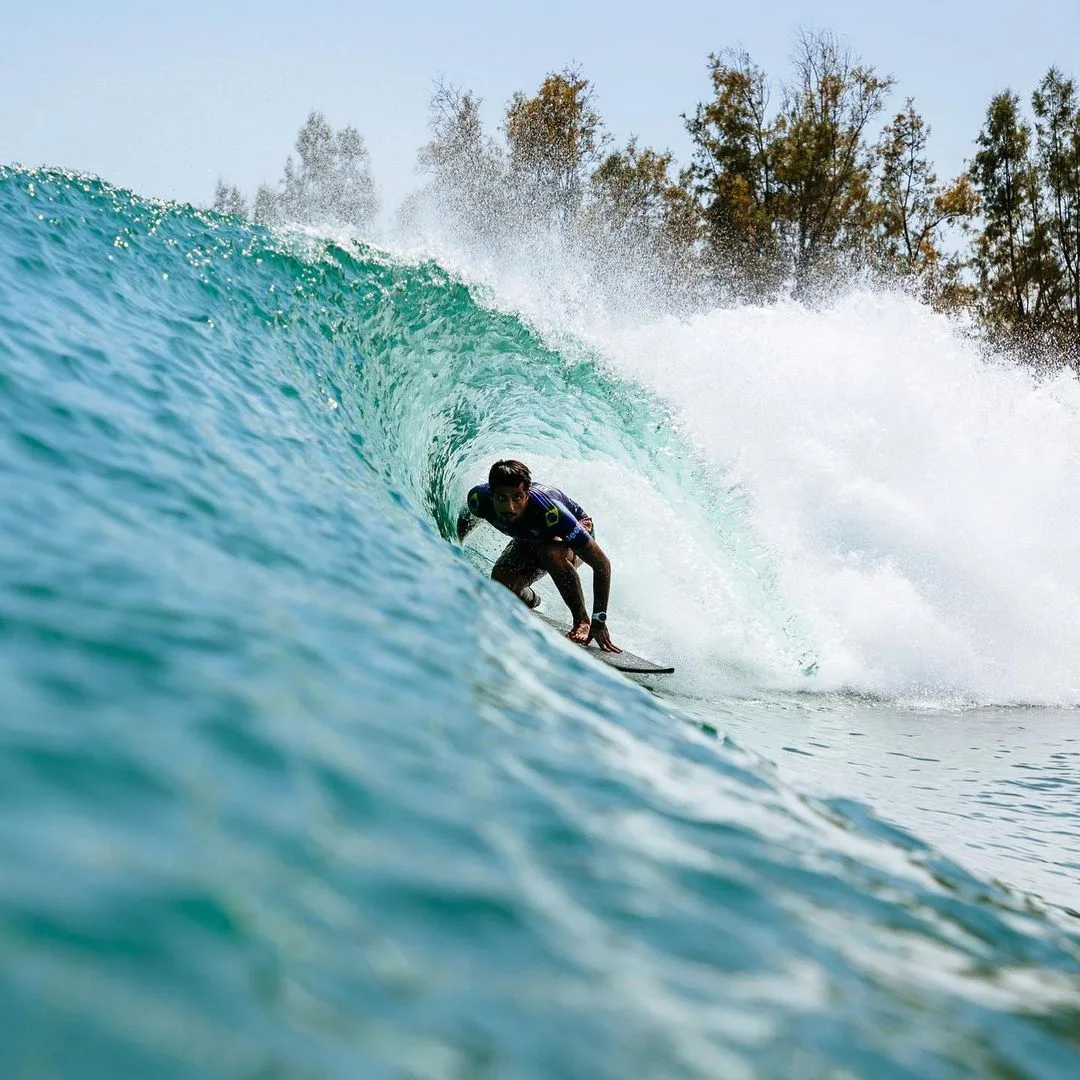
[[289, 788]]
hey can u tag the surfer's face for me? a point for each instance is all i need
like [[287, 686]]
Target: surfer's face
[[510, 502]]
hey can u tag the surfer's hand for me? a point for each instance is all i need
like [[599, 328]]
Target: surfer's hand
[[598, 632], [580, 634]]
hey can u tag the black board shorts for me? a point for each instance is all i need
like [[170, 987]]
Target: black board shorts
[[523, 556]]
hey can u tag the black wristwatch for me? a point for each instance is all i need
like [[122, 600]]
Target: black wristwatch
[[599, 616]]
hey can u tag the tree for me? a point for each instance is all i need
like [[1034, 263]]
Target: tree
[[1012, 255], [629, 187], [1057, 126], [823, 163], [465, 166], [633, 201], [229, 200], [913, 206], [267, 208], [458, 149], [554, 138], [331, 186], [732, 174], [355, 200], [787, 198]]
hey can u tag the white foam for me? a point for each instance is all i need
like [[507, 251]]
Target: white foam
[[916, 509], [674, 597], [920, 505]]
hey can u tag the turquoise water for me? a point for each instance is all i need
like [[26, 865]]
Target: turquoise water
[[289, 789]]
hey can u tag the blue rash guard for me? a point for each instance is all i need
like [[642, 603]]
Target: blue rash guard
[[550, 514]]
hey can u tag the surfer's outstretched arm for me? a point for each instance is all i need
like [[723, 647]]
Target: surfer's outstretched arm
[[593, 554], [466, 522]]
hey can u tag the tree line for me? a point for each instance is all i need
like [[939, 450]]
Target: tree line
[[329, 184], [792, 186]]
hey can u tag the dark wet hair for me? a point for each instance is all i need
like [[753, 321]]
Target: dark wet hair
[[509, 474]]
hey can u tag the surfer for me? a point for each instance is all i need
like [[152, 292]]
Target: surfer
[[551, 534]]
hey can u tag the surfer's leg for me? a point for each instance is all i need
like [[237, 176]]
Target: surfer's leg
[[558, 560], [518, 568]]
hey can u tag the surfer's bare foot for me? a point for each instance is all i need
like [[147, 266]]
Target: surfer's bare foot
[[580, 634]]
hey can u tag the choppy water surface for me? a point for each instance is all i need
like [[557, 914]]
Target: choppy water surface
[[288, 789]]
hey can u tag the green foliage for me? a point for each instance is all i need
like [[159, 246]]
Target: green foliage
[[229, 200], [612, 207], [332, 186], [733, 173], [554, 138], [466, 170], [804, 193], [913, 206], [779, 196], [631, 184], [788, 196], [458, 148], [1057, 125], [633, 193], [634, 205], [266, 209], [824, 162], [1017, 275]]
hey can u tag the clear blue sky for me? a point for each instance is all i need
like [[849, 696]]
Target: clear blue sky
[[165, 98]]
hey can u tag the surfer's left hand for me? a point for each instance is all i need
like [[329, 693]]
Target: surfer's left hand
[[598, 632]]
